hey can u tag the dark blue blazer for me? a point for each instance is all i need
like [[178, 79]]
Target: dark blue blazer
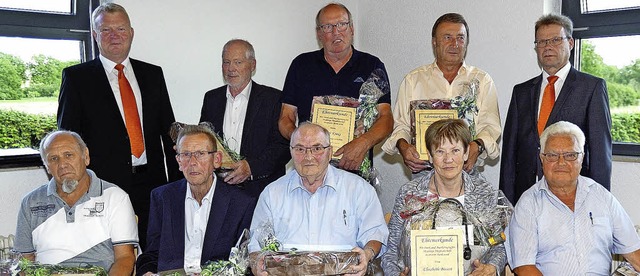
[[583, 101], [231, 212], [264, 148]]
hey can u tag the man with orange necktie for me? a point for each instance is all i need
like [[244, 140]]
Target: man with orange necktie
[[560, 93], [121, 107]]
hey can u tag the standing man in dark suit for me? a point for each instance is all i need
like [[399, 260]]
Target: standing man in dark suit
[[246, 114], [121, 107], [196, 219], [560, 93]]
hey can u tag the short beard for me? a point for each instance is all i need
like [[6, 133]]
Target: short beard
[[69, 185]]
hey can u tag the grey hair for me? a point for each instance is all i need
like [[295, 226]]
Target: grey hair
[[203, 128], [250, 53], [46, 140], [556, 19], [308, 124], [107, 8], [562, 128]]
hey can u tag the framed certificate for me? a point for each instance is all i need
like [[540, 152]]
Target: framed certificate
[[338, 120], [423, 119], [437, 252]]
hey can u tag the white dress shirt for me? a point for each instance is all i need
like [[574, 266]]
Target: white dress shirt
[[234, 115], [196, 218]]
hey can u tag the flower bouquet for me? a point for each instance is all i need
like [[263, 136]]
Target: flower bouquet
[[366, 112], [237, 265]]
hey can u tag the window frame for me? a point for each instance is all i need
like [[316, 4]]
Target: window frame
[[48, 25], [608, 23]]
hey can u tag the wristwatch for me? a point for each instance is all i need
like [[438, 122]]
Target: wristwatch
[[480, 145]]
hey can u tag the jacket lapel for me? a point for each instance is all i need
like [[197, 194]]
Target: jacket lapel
[[565, 94], [217, 214], [177, 212], [220, 104], [253, 110], [105, 95], [535, 101]]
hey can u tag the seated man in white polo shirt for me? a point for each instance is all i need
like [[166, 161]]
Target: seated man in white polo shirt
[[77, 218]]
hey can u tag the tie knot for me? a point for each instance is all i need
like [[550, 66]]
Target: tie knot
[[119, 67], [551, 79]]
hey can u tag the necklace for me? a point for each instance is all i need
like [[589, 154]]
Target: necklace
[[438, 192]]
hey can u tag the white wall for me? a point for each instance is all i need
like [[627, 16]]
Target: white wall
[[186, 40]]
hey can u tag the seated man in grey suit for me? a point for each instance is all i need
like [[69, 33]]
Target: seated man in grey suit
[[246, 114], [192, 221]]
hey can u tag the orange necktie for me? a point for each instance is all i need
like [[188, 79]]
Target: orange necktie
[[131, 118], [548, 99]]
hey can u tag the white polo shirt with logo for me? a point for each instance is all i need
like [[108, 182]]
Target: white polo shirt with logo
[[76, 235]]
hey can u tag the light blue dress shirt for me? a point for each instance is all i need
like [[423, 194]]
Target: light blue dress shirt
[[545, 232], [343, 213]]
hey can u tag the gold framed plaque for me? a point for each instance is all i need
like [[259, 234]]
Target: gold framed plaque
[[423, 119], [338, 120], [437, 252]]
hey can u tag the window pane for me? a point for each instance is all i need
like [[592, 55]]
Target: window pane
[[591, 6], [56, 6], [617, 60], [30, 76]]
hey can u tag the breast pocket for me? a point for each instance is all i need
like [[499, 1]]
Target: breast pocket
[[345, 228]]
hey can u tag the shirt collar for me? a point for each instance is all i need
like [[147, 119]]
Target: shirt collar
[[461, 71], [209, 196], [110, 65], [355, 55], [582, 187], [561, 74], [246, 92], [95, 186], [329, 180]]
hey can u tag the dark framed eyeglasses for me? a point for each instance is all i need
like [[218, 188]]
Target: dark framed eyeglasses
[[340, 26], [300, 150]]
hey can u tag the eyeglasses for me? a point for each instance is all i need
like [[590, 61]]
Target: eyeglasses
[[340, 26], [199, 155], [300, 150], [553, 41], [554, 157]]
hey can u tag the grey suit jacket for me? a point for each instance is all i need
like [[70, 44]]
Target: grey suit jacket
[[583, 101]]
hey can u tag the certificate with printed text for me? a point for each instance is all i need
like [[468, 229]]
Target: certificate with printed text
[[423, 119], [437, 252], [338, 120]]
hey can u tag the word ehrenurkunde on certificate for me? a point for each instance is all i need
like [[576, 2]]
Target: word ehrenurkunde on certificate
[[437, 252], [338, 120]]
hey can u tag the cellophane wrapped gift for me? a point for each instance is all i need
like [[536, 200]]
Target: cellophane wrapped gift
[[376, 86], [310, 263], [29, 268], [488, 225]]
